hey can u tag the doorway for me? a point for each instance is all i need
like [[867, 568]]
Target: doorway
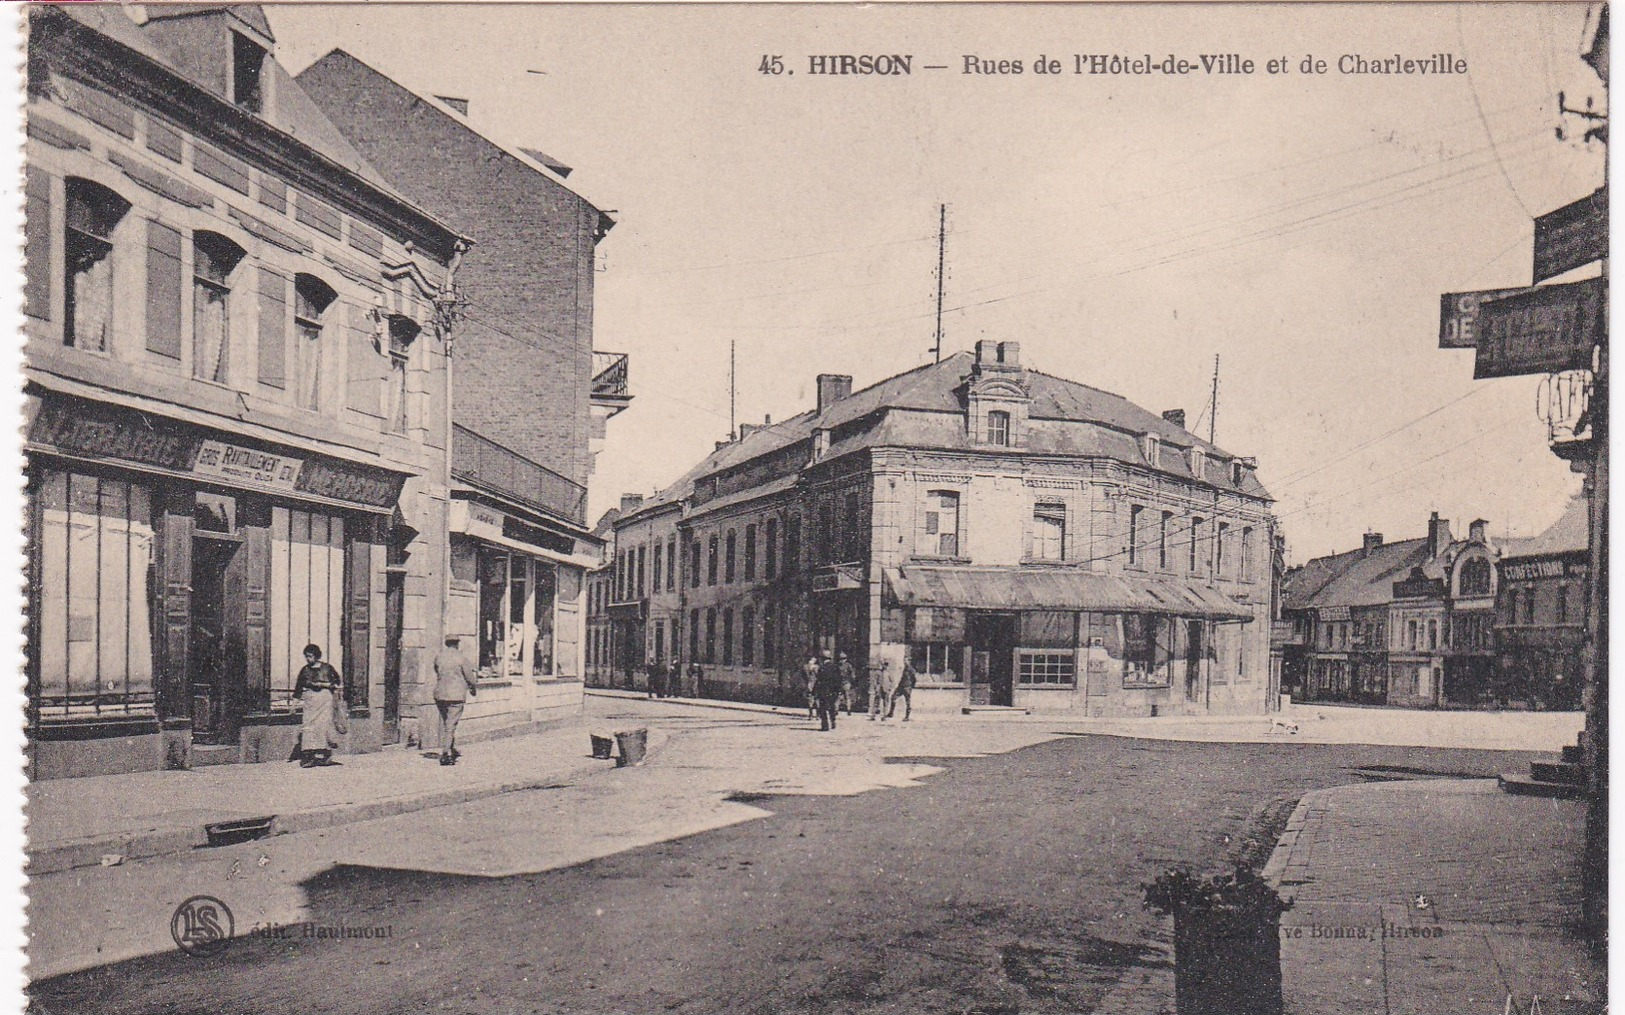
[[993, 644], [1194, 648], [216, 649]]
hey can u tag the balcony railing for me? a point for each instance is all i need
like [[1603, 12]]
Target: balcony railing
[[485, 463], [609, 375]]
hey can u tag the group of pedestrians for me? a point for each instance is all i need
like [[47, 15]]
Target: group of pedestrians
[[666, 681], [830, 681]]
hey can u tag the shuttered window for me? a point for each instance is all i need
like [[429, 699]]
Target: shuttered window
[[273, 330], [94, 212], [164, 290]]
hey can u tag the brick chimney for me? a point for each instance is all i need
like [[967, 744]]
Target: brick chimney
[[1372, 541], [1478, 530], [831, 389], [991, 355], [1176, 417], [630, 502], [1438, 534]]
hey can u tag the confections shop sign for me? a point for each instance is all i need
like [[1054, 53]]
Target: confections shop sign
[[248, 467]]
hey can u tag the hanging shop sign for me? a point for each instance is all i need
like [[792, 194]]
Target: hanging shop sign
[[1573, 235], [247, 466], [1544, 331], [1458, 315]]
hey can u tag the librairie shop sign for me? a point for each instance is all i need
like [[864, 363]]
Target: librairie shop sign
[[245, 465]]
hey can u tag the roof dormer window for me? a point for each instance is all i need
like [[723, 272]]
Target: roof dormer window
[[1152, 446], [247, 69], [1198, 463]]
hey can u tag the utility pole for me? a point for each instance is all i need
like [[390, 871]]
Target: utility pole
[[1213, 416], [733, 390], [942, 256]]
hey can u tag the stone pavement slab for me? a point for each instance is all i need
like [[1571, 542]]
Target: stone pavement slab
[[1432, 896]]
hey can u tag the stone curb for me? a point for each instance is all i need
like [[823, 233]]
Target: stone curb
[[88, 852], [1288, 865]]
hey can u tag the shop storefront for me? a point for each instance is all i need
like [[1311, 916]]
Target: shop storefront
[[1063, 641], [176, 573], [516, 604]]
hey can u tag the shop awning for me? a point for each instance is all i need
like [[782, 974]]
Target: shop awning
[[1057, 589]]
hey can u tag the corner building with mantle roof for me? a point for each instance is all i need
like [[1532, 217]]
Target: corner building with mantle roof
[[1023, 541]]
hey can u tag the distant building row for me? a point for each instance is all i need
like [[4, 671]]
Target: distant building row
[[1020, 540], [1440, 622]]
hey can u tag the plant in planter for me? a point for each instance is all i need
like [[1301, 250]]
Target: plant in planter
[[1227, 946]]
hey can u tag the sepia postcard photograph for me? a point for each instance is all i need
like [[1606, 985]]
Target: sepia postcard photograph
[[809, 508]]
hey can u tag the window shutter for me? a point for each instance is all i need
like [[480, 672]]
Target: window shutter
[[37, 246], [366, 369], [163, 290], [358, 614], [273, 339]]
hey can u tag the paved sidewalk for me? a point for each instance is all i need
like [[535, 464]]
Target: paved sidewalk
[[1433, 896], [79, 822]]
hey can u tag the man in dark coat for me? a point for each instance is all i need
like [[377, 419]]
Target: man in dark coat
[[827, 689]]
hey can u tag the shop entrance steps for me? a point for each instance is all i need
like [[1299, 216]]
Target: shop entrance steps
[[1555, 775], [985, 711]]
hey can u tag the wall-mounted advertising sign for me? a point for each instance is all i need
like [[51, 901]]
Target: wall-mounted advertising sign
[[1546, 330]]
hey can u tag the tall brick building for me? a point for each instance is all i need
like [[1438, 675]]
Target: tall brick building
[[237, 425], [530, 392], [1021, 540]]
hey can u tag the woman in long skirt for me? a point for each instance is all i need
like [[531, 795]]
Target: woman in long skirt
[[315, 688]]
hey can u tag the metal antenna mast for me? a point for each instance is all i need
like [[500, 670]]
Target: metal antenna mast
[[1213, 416], [733, 389], [942, 251]]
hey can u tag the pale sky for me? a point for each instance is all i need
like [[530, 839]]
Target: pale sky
[[1124, 229]]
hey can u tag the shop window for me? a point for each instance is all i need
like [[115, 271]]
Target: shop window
[[214, 260], [998, 428], [307, 595], [936, 644], [545, 661], [728, 637], [403, 332], [747, 637], [493, 589], [93, 597], [1046, 668], [312, 298], [1134, 512], [728, 566], [1049, 532], [1148, 650], [94, 213], [939, 528], [770, 559]]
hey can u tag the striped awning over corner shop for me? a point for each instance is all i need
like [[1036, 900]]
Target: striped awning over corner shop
[[1012, 588]]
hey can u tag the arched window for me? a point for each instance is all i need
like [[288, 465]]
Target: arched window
[[312, 298], [214, 260], [998, 428], [1475, 577], [94, 212]]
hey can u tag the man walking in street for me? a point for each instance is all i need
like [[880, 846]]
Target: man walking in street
[[827, 689], [904, 690], [454, 681], [809, 675], [848, 677], [881, 688]]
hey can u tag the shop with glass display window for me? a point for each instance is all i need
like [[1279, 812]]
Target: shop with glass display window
[[516, 606], [176, 574]]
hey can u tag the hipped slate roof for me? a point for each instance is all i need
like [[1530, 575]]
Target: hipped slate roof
[[923, 408]]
